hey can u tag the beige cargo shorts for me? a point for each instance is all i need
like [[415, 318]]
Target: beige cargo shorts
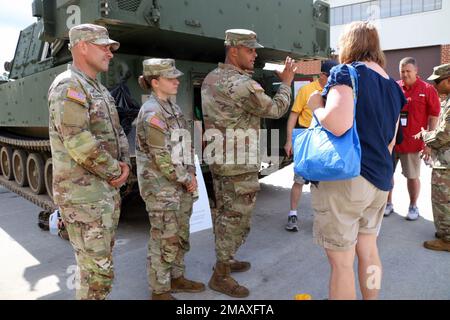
[[410, 164], [345, 208]]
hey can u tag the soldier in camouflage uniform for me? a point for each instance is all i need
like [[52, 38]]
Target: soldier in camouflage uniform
[[232, 100], [439, 142], [90, 158], [167, 181]]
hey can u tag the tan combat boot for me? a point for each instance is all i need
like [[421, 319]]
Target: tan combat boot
[[163, 296], [239, 266], [182, 284], [438, 245], [221, 281]]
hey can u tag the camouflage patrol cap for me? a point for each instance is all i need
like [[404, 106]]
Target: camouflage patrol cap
[[91, 33], [442, 71], [241, 37], [161, 67]]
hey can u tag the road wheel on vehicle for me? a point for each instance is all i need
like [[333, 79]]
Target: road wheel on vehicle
[[19, 160], [6, 162], [35, 170], [48, 177]]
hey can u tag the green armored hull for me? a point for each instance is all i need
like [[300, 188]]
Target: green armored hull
[[190, 31]]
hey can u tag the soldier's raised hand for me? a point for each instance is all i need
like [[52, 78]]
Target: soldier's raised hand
[[287, 76]]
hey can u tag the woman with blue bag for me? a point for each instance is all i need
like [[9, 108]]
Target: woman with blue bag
[[348, 212]]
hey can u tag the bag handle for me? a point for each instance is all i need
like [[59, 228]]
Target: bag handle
[[354, 79]]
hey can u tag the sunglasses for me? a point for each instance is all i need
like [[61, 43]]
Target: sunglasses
[[437, 81]]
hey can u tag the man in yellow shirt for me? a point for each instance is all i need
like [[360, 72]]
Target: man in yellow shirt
[[302, 114]]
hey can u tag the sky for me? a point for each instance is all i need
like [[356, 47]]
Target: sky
[[15, 15]]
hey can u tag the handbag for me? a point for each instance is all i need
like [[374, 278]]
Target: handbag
[[321, 156]]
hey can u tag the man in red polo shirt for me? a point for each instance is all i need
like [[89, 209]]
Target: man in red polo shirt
[[421, 111]]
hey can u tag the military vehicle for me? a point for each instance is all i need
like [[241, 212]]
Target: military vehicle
[[190, 31]]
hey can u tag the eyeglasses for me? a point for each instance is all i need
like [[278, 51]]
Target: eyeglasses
[[437, 81]]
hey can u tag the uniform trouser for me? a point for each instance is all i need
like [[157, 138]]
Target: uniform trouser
[[93, 242], [168, 243], [235, 200], [440, 199]]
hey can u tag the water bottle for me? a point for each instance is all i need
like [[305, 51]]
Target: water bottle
[[53, 222]]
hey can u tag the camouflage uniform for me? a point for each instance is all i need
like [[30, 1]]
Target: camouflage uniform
[[87, 143], [231, 99], [439, 142], [161, 182]]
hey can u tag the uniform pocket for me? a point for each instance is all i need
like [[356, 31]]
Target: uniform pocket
[[249, 184], [87, 212], [165, 200], [319, 201]]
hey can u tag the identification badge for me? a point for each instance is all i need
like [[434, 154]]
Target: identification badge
[[404, 118]]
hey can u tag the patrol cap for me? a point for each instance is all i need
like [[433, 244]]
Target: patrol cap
[[91, 33], [161, 67], [442, 71], [241, 37], [327, 65]]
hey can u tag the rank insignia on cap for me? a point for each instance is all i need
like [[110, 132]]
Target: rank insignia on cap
[[76, 96], [157, 123]]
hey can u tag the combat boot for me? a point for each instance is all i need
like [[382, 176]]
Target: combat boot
[[437, 245], [221, 281], [163, 296], [182, 284], [239, 266]]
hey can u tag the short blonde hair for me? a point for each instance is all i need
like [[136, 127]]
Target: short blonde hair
[[360, 42]]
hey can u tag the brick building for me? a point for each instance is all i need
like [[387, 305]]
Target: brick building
[[416, 28]]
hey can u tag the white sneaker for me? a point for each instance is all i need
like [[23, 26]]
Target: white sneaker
[[413, 214], [389, 209]]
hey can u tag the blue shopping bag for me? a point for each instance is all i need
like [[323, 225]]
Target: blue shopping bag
[[321, 156]]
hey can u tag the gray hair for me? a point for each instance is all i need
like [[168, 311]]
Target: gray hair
[[408, 60]]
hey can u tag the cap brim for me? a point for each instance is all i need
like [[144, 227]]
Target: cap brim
[[256, 46], [105, 42], [172, 74], [433, 77], [250, 44]]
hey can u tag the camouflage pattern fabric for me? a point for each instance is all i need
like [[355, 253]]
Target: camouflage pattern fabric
[[440, 200], [235, 200], [87, 143], [86, 139], [91, 33], [93, 243], [168, 243], [161, 67], [241, 37], [161, 183], [440, 71], [439, 142], [231, 99], [158, 173], [439, 139]]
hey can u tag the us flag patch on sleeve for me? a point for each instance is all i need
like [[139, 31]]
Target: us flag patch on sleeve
[[157, 123], [76, 96]]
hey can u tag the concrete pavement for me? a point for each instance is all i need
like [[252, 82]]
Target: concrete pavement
[[37, 265]]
